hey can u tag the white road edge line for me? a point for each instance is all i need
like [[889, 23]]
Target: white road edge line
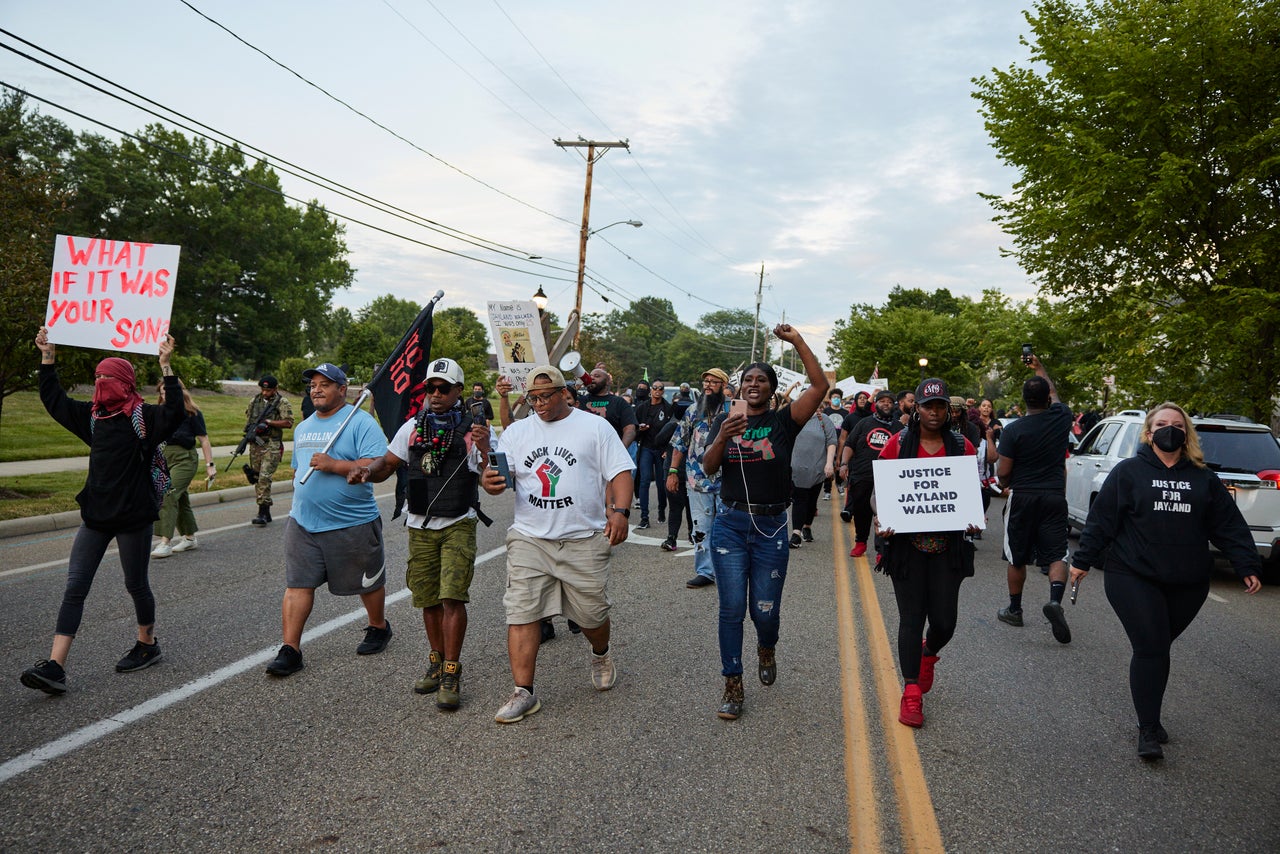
[[91, 733], [1215, 597]]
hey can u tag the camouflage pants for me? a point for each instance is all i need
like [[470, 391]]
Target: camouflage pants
[[264, 459]]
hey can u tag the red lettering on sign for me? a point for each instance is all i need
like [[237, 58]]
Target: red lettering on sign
[[79, 256], [139, 284], [151, 329]]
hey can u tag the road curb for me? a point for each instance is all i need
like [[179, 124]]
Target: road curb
[[71, 518]]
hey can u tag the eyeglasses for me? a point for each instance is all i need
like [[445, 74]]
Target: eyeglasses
[[542, 399], [438, 388]]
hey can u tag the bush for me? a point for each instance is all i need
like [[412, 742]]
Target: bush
[[289, 373], [197, 372]]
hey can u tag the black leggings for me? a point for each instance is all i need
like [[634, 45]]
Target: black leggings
[[804, 505], [86, 556], [858, 503], [1153, 615], [677, 508], [929, 590]]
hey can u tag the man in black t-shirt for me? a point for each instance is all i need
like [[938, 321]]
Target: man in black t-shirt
[[652, 415], [614, 409], [1032, 453]]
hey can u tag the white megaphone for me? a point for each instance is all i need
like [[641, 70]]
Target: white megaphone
[[571, 364]]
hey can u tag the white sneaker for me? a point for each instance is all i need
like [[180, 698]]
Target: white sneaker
[[520, 706], [185, 544], [603, 673], [162, 549]]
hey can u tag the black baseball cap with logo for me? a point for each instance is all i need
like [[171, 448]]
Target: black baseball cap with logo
[[932, 389]]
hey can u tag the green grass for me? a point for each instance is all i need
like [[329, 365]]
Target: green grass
[[55, 492], [28, 433]]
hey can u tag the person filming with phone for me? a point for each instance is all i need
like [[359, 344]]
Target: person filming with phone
[[446, 445], [1153, 520]]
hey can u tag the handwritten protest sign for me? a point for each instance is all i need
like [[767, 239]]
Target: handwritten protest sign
[[930, 494], [111, 294], [517, 335]]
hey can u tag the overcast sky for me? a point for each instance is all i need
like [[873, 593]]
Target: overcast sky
[[833, 141]]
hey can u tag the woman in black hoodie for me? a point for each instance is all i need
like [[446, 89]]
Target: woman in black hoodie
[[118, 501], [1153, 520]]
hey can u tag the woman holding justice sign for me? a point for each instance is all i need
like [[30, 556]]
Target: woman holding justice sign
[[926, 568], [119, 500]]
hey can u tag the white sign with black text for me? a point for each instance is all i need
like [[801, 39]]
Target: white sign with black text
[[928, 494]]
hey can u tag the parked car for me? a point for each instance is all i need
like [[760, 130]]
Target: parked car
[[1244, 455]]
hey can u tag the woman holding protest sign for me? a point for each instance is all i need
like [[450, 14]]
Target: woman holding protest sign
[[752, 450], [120, 500], [183, 459], [926, 567]]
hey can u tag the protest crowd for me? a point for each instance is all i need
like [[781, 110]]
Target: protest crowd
[[738, 463]]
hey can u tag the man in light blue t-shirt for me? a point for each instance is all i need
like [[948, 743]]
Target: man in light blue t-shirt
[[334, 532]]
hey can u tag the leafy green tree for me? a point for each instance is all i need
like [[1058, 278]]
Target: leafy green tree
[[460, 335], [1146, 139], [391, 314], [363, 348]]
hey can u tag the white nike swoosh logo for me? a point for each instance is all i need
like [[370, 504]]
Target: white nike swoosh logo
[[366, 581]]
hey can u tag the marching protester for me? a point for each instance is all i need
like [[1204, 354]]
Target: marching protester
[[689, 446], [752, 452], [269, 415], [1032, 451], [1153, 520], [812, 461], [445, 452], [869, 437], [183, 459], [572, 501], [119, 500], [652, 415], [926, 568], [334, 532]]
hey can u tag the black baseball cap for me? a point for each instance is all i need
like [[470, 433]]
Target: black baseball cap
[[932, 389]]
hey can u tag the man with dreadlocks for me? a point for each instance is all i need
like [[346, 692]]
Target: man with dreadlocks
[[689, 445], [446, 452]]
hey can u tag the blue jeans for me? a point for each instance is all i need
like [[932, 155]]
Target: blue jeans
[[750, 555], [649, 462], [702, 506]]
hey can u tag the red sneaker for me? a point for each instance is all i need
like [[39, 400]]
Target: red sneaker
[[912, 710], [926, 671], [858, 550]]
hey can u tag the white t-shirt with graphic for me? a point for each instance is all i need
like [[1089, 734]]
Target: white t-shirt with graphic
[[561, 470]]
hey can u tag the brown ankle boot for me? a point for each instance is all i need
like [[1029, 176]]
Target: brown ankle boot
[[768, 665], [731, 708]]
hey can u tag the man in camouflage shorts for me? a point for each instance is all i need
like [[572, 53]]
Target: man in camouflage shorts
[[267, 448]]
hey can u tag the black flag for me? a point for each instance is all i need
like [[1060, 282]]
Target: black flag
[[398, 386]]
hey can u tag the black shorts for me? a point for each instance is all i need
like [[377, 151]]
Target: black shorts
[[1035, 528]]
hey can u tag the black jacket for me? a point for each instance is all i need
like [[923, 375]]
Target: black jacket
[[1157, 522], [118, 494]]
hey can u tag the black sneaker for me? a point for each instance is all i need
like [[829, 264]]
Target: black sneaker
[[699, 581], [1011, 616], [807, 533], [795, 540], [574, 628], [669, 544], [1149, 743], [142, 655], [375, 640], [287, 662], [845, 515], [548, 631], [47, 676], [1057, 619], [662, 515], [644, 522]]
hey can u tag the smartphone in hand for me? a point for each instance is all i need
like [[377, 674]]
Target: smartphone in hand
[[1027, 353], [498, 462], [737, 405]]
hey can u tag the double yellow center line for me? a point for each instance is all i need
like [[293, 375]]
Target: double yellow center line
[[917, 823]]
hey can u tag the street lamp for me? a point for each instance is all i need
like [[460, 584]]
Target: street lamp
[[924, 363], [634, 223], [540, 300]]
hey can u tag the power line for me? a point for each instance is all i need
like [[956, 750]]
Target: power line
[[369, 119]]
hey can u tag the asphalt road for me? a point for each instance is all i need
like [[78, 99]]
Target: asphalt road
[[1028, 744]]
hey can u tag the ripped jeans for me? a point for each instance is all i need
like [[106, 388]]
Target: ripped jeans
[[750, 555]]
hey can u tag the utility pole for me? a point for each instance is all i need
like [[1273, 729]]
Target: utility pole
[[591, 146], [755, 327]]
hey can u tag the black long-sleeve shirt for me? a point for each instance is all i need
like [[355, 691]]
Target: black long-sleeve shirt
[[1156, 521], [118, 494]]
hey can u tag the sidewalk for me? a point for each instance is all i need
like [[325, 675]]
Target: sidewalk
[[71, 518]]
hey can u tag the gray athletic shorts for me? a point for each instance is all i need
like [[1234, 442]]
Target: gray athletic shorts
[[349, 560]]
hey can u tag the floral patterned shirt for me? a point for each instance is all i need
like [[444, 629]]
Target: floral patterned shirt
[[691, 439]]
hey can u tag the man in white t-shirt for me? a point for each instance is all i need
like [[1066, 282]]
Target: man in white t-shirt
[[572, 490], [446, 448]]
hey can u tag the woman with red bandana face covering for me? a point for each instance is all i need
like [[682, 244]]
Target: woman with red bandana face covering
[[117, 502]]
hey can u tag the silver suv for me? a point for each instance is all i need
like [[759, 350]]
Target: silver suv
[[1245, 456]]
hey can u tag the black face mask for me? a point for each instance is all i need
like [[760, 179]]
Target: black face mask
[[1169, 438]]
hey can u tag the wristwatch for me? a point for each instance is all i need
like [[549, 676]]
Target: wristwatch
[[625, 511]]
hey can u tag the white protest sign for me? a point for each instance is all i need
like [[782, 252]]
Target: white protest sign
[[517, 335], [111, 294], [928, 494]]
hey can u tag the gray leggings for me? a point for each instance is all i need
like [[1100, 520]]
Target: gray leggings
[[86, 555]]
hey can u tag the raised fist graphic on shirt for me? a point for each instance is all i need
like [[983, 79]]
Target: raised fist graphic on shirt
[[548, 474]]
